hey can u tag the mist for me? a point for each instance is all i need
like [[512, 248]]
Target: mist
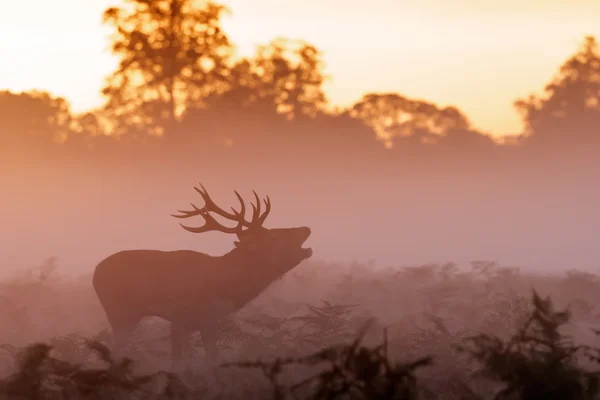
[[542, 218]]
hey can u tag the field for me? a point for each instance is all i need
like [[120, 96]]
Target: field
[[363, 331], [401, 168]]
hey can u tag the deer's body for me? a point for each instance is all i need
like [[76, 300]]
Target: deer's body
[[193, 290]]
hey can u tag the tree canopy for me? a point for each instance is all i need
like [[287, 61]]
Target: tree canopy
[[173, 53], [179, 80], [569, 109]]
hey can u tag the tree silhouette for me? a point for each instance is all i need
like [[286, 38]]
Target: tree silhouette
[[281, 82], [90, 124], [284, 77], [570, 109], [173, 53], [397, 119], [290, 76], [178, 75], [33, 119]]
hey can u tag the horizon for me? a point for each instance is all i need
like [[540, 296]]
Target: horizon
[[523, 46]]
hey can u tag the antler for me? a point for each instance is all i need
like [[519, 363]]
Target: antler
[[257, 218], [211, 224]]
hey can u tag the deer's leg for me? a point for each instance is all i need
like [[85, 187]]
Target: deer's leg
[[208, 331], [179, 340], [122, 328]]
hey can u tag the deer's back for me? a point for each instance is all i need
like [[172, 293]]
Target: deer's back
[[154, 274]]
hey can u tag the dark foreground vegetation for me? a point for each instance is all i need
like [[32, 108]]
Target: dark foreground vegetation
[[430, 332]]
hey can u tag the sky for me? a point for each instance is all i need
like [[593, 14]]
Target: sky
[[479, 55]]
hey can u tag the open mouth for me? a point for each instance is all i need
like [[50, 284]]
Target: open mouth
[[307, 251]]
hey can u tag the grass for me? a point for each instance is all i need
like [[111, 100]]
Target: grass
[[324, 332]]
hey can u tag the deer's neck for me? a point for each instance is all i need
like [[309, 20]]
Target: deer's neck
[[247, 277]]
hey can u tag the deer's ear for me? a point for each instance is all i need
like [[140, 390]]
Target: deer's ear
[[237, 244]]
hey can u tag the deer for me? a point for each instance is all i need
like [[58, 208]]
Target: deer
[[193, 290]]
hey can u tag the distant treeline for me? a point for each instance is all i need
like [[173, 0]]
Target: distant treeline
[[180, 87]]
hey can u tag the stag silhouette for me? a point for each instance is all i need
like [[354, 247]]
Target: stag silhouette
[[189, 288]]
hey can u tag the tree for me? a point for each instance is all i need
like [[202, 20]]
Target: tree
[[569, 110], [291, 76], [33, 119], [398, 119], [285, 77], [90, 124], [173, 53]]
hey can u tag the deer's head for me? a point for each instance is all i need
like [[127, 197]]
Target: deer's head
[[278, 248]]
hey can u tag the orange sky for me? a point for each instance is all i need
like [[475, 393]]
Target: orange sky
[[477, 54]]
